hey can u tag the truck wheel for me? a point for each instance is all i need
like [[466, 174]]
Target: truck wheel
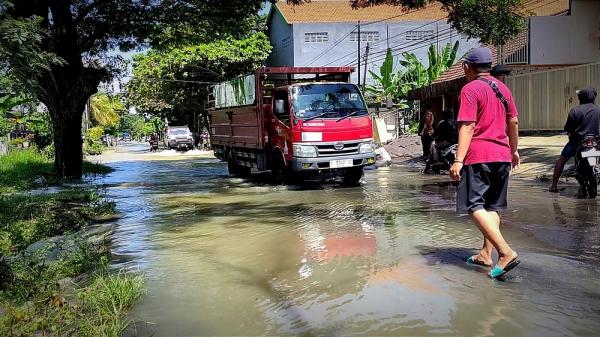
[[280, 174], [352, 176], [232, 167]]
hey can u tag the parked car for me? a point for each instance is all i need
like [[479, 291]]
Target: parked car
[[179, 137], [126, 137]]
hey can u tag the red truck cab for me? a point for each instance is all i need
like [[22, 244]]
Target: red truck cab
[[303, 122]]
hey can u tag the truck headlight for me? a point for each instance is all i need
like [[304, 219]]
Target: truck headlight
[[307, 151], [365, 147]]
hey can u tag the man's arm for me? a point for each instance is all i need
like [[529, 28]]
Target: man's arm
[[513, 139], [465, 134]]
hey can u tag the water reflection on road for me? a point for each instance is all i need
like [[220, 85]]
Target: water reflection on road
[[226, 256]]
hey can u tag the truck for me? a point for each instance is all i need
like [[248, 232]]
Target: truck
[[296, 123]]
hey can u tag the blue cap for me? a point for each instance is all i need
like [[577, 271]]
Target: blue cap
[[479, 55]]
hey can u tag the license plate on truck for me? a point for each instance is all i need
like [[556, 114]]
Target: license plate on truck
[[341, 163]]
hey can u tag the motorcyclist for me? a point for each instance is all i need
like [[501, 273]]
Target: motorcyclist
[[583, 120], [446, 135]]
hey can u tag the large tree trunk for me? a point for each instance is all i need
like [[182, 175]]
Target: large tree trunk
[[66, 105], [68, 144]]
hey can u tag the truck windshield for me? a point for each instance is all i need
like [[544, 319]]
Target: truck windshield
[[327, 101]]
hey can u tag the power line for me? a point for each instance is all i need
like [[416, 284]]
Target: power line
[[529, 3], [418, 44], [331, 47], [366, 24], [380, 41]]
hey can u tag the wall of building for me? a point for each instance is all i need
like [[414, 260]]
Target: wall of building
[[341, 47], [282, 41], [567, 39]]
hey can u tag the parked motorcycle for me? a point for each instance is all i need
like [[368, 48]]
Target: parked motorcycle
[[587, 163], [445, 159]]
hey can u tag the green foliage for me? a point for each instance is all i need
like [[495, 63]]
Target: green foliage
[[107, 298], [93, 143], [20, 168], [413, 74], [6, 126], [157, 87], [65, 44], [492, 21], [41, 126], [26, 219], [413, 128], [105, 110]]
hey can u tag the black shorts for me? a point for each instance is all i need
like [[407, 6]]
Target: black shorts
[[483, 186]]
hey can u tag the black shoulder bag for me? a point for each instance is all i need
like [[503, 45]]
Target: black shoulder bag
[[496, 91]]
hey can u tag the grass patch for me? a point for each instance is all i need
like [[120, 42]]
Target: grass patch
[[97, 309], [47, 292], [107, 299], [25, 219], [20, 169]]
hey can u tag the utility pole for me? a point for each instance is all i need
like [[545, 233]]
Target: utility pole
[[366, 60], [358, 39], [387, 36]]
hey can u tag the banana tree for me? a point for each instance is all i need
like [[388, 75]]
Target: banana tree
[[387, 82], [440, 62]]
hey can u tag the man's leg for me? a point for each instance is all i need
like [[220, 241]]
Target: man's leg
[[488, 223], [485, 255], [558, 170]]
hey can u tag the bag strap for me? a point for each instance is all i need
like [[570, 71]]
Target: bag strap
[[496, 91]]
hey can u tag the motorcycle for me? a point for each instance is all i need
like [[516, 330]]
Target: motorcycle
[[446, 157], [587, 163], [153, 145]]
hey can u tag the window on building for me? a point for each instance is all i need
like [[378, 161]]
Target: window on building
[[365, 36], [416, 35], [316, 37]]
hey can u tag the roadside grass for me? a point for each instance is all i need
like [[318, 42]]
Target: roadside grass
[[59, 286], [25, 219], [106, 299], [20, 169], [96, 309]]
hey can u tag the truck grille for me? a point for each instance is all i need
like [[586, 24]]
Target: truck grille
[[329, 150]]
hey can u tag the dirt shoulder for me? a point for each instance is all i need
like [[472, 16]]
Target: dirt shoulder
[[538, 154]]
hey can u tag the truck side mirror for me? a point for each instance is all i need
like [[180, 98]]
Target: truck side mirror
[[279, 107]]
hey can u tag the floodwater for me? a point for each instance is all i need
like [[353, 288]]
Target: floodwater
[[230, 257]]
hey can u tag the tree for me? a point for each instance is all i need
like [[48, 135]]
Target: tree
[[58, 48], [491, 21], [413, 73], [174, 82], [105, 110]]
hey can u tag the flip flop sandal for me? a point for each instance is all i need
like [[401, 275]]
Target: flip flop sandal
[[472, 260], [498, 272]]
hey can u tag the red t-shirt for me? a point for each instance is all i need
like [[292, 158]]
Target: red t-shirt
[[479, 104]]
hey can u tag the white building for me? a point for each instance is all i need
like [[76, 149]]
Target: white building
[[325, 33]]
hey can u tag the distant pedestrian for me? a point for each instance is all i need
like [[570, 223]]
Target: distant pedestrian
[[426, 132], [487, 146]]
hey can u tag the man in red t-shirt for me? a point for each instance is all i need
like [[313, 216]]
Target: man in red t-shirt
[[484, 156]]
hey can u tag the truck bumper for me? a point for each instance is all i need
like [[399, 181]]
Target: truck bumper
[[323, 163]]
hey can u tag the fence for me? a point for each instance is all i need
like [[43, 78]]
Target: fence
[[545, 98]]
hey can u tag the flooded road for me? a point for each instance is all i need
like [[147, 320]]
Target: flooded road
[[225, 256]]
